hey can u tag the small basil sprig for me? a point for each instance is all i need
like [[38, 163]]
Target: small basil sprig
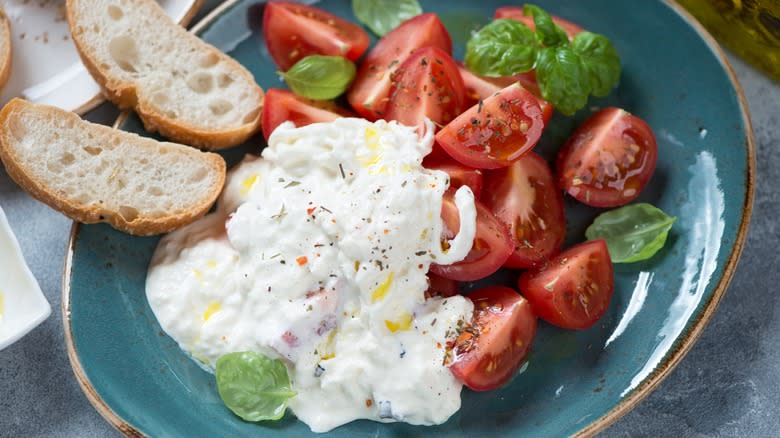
[[320, 77], [633, 233], [382, 16], [253, 386], [567, 72]]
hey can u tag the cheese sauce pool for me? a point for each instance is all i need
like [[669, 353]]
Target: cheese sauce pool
[[317, 254]]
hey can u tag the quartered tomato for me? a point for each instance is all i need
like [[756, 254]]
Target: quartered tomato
[[281, 105], [293, 31], [441, 287], [489, 351], [496, 131], [574, 289], [492, 245], [481, 87], [426, 85], [516, 13], [608, 160], [370, 91], [526, 199], [460, 175]]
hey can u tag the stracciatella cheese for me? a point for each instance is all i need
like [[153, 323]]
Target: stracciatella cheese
[[318, 254]]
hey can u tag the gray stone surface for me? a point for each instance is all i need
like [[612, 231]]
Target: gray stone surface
[[726, 386]]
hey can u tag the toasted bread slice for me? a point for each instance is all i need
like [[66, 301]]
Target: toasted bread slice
[[5, 48], [93, 173], [181, 87]]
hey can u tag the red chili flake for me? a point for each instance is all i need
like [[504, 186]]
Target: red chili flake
[[369, 402], [438, 345], [310, 210], [302, 260], [387, 231]]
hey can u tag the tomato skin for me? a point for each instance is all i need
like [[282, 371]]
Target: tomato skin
[[516, 13], [293, 31], [481, 87], [492, 244], [460, 175], [608, 160], [441, 287], [370, 91], [496, 131], [525, 197], [506, 326], [426, 85], [281, 105], [574, 289]]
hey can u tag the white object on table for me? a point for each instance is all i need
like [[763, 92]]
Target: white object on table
[[22, 304]]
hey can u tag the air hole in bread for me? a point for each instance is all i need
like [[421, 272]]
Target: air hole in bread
[[92, 150], [18, 128], [155, 191], [200, 82], [160, 98], [67, 159], [220, 106], [198, 175], [224, 80], [53, 166], [120, 183], [115, 12], [144, 161], [140, 188], [124, 52], [128, 213], [96, 28], [209, 60]]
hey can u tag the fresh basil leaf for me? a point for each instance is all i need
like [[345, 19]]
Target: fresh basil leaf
[[549, 33], [633, 233], [563, 79], [253, 386], [382, 16], [502, 48], [320, 77], [602, 60]]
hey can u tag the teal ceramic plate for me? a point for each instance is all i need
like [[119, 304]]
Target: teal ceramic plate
[[674, 76]]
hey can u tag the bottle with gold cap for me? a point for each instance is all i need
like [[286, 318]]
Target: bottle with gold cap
[[750, 28]]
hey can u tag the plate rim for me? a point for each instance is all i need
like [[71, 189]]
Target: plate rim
[[636, 395], [92, 102]]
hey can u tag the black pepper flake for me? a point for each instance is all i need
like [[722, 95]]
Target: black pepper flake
[[420, 253], [341, 168]]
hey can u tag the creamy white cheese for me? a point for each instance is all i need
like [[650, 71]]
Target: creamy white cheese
[[318, 254]]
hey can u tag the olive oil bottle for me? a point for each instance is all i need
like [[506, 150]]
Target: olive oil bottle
[[750, 28]]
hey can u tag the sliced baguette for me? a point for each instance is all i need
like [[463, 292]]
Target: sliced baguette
[[92, 173], [181, 87], [5, 48]]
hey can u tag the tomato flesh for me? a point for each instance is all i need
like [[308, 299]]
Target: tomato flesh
[[488, 353], [526, 199], [293, 31], [459, 174], [574, 289], [370, 91], [441, 287], [516, 13], [426, 85], [281, 105], [481, 87], [608, 160], [492, 244], [496, 131]]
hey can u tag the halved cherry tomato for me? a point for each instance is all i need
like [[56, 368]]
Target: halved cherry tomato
[[492, 244], [496, 131], [281, 105], [460, 175], [608, 160], [370, 91], [441, 287], [293, 31], [426, 85], [481, 87], [526, 199], [516, 13], [488, 353], [574, 289]]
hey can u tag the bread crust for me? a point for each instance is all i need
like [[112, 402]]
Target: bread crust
[[6, 54], [140, 225], [126, 95]]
